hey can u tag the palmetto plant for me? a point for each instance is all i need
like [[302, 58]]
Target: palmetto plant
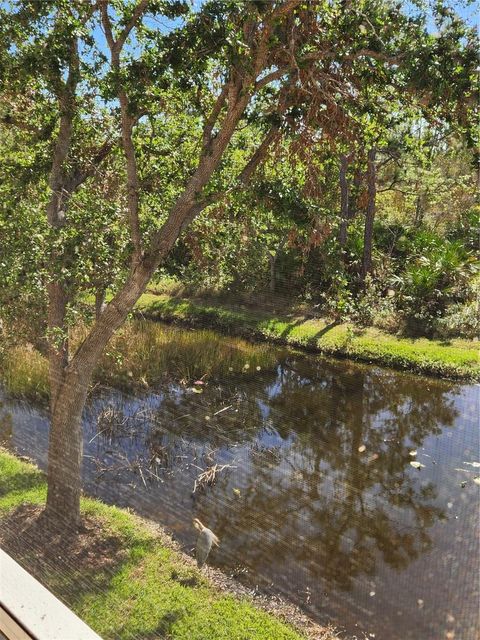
[[435, 276]]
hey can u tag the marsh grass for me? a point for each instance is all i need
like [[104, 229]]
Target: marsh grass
[[24, 372], [144, 354], [148, 351]]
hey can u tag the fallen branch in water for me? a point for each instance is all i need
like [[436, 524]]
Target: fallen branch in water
[[208, 477]]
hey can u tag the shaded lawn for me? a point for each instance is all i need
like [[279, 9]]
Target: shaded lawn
[[117, 574], [458, 359]]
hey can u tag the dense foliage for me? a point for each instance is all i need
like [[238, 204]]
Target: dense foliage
[[282, 233], [283, 238]]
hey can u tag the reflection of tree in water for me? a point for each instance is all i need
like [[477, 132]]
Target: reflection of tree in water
[[326, 502], [310, 496], [191, 417], [180, 435]]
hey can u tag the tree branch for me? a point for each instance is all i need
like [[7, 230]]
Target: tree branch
[[78, 177], [361, 53], [127, 123], [272, 136], [56, 181], [107, 25], [270, 77], [137, 12], [116, 46], [242, 179], [376, 55], [213, 117]]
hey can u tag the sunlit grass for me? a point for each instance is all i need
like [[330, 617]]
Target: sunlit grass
[[157, 594], [19, 482], [150, 352], [24, 372]]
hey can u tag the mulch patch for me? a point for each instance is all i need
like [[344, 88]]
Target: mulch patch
[[42, 546]]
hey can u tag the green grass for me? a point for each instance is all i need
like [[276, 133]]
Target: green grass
[[152, 591], [457, 359], [143, 353], [19, 482]]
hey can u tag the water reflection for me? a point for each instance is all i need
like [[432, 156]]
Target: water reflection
[[319, 499]]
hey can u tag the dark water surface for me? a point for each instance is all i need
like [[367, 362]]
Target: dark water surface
[[320, 501]]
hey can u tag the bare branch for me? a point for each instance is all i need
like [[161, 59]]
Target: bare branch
[[390, 187]]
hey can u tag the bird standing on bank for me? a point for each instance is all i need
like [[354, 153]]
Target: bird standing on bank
[[206, 539]]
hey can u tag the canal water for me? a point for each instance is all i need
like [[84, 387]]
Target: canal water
[[351, 490]]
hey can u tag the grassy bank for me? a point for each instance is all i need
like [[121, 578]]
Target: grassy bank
[[456, 359], [120, 575]]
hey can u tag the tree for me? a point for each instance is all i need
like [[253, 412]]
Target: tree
[[93, 110], [344, 200], [370, 213], [249, 41]]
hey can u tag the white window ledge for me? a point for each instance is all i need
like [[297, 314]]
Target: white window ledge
[[29, 611]]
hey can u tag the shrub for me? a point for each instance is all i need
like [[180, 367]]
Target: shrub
[[374, 308], [462, 320], [435, 276]]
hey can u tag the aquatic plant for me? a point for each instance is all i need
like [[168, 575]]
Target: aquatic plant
[[148, 352]]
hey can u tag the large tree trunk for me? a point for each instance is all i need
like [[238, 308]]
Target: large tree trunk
[[370, 215], [66, 438], [65, 452]]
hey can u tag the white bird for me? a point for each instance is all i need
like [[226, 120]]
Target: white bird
[[206, 539]]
